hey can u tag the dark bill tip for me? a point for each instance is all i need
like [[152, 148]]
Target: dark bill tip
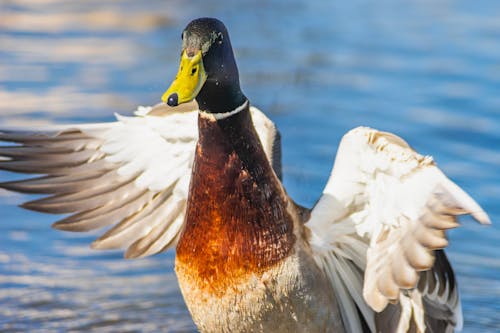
[[173, 100]]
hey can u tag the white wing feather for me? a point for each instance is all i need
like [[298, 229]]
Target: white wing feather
[[133, 174], [385, 209]]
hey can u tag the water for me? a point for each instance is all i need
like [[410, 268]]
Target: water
[[426, 70]]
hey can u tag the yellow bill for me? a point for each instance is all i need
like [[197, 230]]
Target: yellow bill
[[188, 82]]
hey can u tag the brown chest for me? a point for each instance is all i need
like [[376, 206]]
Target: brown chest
[[236, 220]]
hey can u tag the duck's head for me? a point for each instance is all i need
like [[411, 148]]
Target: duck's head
[[207, 71]]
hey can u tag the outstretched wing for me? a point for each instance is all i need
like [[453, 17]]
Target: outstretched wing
[[132, 174], [382, 215]]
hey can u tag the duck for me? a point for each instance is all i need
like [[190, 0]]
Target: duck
[[201, 172]]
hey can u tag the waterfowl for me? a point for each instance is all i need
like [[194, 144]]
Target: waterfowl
[[366, 258]]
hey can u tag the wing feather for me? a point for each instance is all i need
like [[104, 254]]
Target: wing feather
[[106, 194], [104, 215], [161, 235], [400, 205], [61, 184], [124, 233], [132, 174]]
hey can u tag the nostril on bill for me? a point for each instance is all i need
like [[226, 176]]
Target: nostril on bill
[[173, 100]]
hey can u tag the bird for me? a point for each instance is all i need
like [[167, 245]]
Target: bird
[[201, 172]]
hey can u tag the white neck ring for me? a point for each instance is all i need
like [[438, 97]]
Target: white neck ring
[[224, 115]]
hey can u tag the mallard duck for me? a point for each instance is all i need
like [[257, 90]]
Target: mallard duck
[[206, 179]]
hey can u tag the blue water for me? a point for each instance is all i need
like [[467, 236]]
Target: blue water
[[428, 71]]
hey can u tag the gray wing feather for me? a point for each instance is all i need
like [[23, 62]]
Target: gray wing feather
[[81, 180], [439, 293], [276, 156], [440, 296]]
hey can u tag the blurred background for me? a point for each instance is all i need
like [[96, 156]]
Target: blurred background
[[426, 70]]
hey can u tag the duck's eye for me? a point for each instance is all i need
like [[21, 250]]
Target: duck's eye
[[193, 71]]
